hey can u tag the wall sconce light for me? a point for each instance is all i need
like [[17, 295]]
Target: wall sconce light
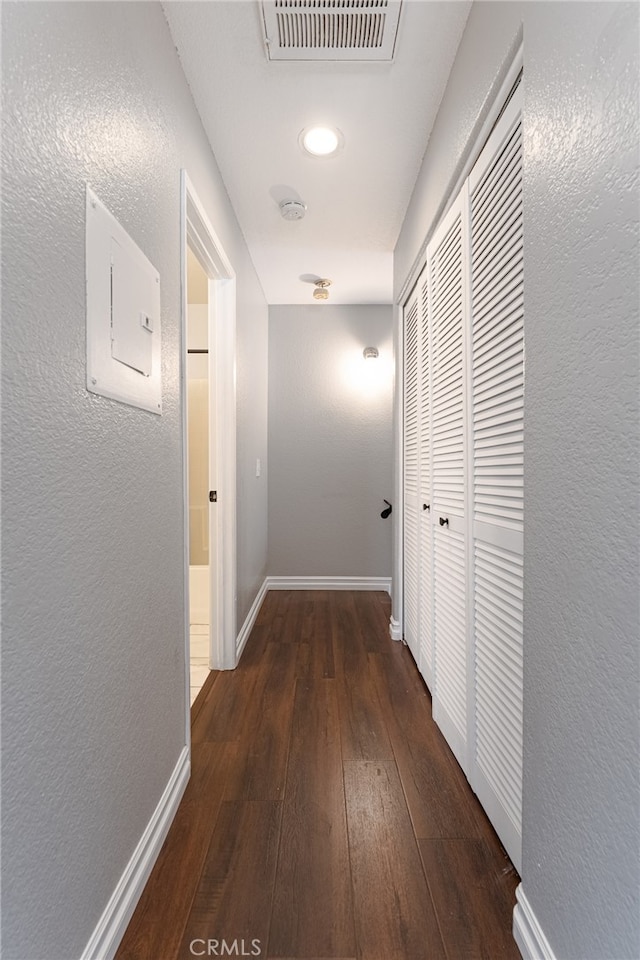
[[370, 353]]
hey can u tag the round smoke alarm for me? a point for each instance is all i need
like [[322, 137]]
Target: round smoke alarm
[[292, 209]]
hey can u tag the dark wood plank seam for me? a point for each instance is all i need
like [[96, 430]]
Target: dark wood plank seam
[[415, 837], [283, 800]]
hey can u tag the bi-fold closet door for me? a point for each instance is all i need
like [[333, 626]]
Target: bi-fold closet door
[[463, 492]]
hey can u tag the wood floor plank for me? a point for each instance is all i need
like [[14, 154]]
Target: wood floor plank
[[233, 898], [362, 724], [439, 798], [271, 843], [304, 661], [253, 652], [203, 694], [312, 910], [308, 613], [157, 925], [268, 609], [373, 617], [280, 603], [348, 640], [320, 640], [291, 616], [363, 728], [394, 914], [474, 909], [222, 717], [310, 630], [264, 747]]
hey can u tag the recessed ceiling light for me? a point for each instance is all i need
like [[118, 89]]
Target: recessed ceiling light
[[321, 141]]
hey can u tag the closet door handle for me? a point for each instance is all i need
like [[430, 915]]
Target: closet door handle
[[426, 506], [444, 521]]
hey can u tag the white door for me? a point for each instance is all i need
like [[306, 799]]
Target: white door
[[446, 278], [411, 458], [464, 379], [495, 188], [425, 507]]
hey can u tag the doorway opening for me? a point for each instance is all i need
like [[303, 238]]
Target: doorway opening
[[209, 445], [200, 398]]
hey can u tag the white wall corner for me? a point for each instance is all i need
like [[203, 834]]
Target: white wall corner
[[395, 629], [106, 937], [247, 626], [527, 932]]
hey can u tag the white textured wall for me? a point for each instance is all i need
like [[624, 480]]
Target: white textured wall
[[330, 444], [581, 827], [92, 536], [582, 795], [252, 403]]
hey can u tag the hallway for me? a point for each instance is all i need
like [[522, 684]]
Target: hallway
[[325, 816]]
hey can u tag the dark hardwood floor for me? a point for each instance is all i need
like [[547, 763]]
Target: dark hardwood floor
[[325, 816]]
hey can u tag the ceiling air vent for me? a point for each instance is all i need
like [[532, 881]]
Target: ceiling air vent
[[330, 29]]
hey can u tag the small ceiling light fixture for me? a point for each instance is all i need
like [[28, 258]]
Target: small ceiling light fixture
[[292, 209], [320, 291], [321, 141], [370, 353]]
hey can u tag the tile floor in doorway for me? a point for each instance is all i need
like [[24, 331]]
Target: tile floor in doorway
[[199, 641]]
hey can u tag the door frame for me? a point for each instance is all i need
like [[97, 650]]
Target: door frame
[[197, 233]]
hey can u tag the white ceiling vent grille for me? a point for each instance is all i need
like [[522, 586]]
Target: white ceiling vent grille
[[330, 29]]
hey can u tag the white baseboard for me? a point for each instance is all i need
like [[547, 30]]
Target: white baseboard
[[106, 937], [329, 583], [250, 619], [395, 629], [527, 932]]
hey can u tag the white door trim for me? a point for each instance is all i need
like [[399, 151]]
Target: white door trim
[[197, 232], [396, 623]]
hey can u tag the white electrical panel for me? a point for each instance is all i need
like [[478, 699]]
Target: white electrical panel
[[123, 314]]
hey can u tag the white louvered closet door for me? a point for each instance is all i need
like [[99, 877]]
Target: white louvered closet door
[[446, 277], [411, 456], [495, 191], [425, 527]]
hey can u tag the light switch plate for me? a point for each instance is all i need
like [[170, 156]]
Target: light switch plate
[[123, 313]]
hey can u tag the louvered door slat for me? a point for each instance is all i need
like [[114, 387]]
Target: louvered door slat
[[446, 317], [411, 474], [489, 222], [425, 660], [485, 186], [503, 314], [450, 708], [503, 285], [508, 335], [496, 238]]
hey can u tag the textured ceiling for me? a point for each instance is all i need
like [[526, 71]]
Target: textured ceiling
[[253, 111]]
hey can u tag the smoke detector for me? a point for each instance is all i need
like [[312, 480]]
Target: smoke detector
[[320, 291], [292, 209]]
